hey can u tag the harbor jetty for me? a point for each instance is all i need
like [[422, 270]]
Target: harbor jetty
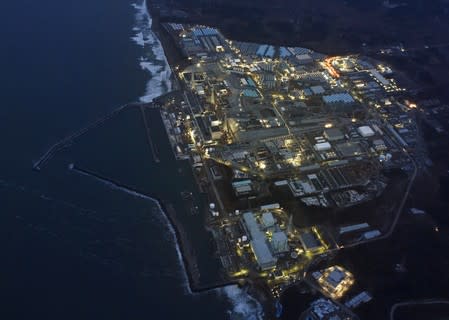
[[153, 148], [187, 254], [65, 142]]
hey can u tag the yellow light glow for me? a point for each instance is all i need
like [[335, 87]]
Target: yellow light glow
[[192, 135], [240, 273]]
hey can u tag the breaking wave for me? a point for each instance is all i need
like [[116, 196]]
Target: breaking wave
[[244, 306], [153, 58]]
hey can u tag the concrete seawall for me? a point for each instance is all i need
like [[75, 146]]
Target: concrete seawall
[[187, 254]]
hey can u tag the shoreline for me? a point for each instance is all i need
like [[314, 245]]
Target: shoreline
[[173, 55], [176, 58]]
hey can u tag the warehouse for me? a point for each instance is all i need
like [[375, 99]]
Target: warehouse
[[365, 131], [338, 98], [242, 188], [310, 241], [333, 134], [317, 90], [349, 149], [323, 146], [354, 227], [304, 59]]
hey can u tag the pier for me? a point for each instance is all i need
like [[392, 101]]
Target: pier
[[50, 153], [153, 149]]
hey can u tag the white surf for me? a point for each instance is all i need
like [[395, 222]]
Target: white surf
[[153, 58]]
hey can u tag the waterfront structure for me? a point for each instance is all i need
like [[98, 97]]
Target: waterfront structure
[[258, 242], [287, 125]]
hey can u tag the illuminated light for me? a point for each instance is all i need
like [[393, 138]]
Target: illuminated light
[[262, 165], [192, 135], [240, 273], [328, 125], [353, 120], [239, 252]]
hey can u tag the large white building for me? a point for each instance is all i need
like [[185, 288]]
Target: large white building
[[365, 131], [259, 245]]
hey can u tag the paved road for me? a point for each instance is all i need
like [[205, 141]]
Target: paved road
[[415, 302]]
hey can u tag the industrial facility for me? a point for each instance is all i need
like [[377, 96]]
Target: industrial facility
[[334, 281], [293, 128]]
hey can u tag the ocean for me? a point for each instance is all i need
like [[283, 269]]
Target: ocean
[[75, 247]]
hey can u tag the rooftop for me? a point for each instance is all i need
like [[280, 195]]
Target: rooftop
[[338, 98], [262, 253]]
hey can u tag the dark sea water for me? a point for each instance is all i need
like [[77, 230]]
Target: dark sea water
[[73, 247]]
